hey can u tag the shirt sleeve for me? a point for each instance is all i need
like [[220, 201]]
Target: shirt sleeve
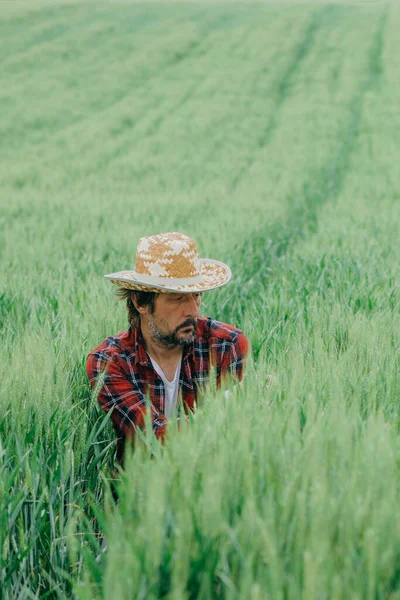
[[121, 394], [234, 359]]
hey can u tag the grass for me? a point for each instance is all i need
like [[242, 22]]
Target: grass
[[269, 133]]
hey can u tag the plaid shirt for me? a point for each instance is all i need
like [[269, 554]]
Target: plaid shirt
[[130, 376]]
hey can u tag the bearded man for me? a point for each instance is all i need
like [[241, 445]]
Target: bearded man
[[163, 360]]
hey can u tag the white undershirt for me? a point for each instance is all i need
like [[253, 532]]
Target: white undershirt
[[171, 387]]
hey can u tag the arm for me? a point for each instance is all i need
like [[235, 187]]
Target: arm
[[234, 359], [121, 393]]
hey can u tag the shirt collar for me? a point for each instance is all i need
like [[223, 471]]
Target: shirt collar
[[188, 351], [141, 355]]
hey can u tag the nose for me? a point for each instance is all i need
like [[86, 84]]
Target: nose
[[192, 306]]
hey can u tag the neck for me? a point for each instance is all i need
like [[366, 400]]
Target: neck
[[158, 351]]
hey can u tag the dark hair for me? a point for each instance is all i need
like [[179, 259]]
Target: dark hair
[[142, 299]]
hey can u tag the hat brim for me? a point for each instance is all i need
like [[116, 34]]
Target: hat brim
[[215, 274]]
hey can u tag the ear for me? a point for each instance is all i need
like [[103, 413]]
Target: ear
[[141, 309]]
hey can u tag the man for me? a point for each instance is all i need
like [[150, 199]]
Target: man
[[165, 356]]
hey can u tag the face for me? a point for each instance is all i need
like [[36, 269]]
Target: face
[[173, 322]]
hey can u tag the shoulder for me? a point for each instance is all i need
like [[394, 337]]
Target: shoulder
[[119, 348], [221, 334]]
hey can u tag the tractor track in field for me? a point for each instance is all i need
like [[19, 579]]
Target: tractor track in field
[[162, 117], [188, 94], [268, 244], [140, 20], [197, 46], [56, 31], [279, 87], [301, 51]]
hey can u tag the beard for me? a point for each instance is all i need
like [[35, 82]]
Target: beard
[[171, 339]]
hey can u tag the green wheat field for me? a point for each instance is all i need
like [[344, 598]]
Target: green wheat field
[[269, 132]]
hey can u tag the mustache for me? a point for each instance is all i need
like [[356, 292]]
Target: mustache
[[186, 323]]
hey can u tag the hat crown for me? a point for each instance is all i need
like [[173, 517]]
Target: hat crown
[[168, 255]]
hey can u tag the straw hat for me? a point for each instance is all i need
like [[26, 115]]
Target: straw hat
[[169, 262]]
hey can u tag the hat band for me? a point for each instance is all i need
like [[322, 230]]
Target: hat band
[[167, 280]]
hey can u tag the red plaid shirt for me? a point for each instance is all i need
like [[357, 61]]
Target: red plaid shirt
[[130, 375]]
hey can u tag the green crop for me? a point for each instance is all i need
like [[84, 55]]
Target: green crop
[[269, 133]]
